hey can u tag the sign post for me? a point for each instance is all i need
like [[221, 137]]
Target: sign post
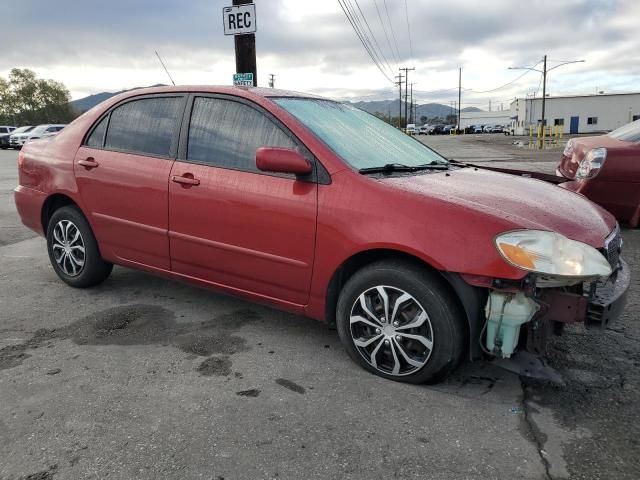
[[240, 20]]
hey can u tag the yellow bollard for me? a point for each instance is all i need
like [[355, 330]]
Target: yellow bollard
[[561, 131]]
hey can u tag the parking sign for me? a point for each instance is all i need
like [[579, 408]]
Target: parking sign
[[239, 19]]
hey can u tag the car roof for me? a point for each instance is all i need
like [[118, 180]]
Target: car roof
[[247, 92]]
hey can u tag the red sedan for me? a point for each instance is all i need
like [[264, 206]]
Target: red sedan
[[321, 209], [606, 169]]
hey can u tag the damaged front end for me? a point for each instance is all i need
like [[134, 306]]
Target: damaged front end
[[521, 316]]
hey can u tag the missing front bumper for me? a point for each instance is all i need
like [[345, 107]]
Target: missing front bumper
[[608, 298]]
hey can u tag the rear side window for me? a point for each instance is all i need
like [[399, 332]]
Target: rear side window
[[96, 139], [145, 126], [4, 130], [227, 134]]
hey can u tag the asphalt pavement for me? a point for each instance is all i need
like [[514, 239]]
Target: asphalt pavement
[[142, 377]]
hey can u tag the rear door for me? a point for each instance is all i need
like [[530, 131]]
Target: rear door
[[231, 224], [122, 171]]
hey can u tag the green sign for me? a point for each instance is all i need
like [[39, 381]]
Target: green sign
[[243, 79]]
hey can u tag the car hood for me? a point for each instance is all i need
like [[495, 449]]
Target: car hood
[[516, 201]]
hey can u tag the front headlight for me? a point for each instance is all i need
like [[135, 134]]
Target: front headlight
[[591, 163], [553, 254]]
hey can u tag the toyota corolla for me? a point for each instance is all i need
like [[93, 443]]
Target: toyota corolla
[[321, 209]]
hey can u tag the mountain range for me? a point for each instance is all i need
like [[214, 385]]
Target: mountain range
[[386, 107]]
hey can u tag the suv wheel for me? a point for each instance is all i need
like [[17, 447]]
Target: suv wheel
[[401, 322], [73, 250]]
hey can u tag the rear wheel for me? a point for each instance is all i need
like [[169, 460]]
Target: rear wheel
[[401, 322], [73, 250]]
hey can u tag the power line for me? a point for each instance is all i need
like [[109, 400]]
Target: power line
[[393, 34], [384, 28], [373, 37], [406, 12], [364, 44], [363, 34]]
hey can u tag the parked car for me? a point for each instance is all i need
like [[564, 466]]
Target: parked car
[[496, 129], [5, 132], [606, 169], [424, 130], [478, 129], [418, 261], [437, 130], [411, 129], [17, 140], [446, 130]]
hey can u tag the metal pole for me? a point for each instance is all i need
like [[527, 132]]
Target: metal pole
[[544, 98], [246, 50], [459, 96]]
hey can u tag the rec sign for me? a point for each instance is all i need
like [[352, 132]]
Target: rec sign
[[239, 19]]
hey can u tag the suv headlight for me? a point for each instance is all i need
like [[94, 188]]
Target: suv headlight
[[591, 163], [553, 254]]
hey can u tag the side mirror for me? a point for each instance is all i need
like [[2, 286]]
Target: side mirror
[[282, 160]]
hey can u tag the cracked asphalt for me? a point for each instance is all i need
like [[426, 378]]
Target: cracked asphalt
[[142, 377]]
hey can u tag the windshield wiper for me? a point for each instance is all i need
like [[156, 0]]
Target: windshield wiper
[[399, 167]]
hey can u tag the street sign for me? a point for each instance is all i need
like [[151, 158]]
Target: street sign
[[239, 19], [243, 79]]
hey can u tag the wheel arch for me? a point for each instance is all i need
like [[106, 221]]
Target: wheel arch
[[52, 203], [470, 299]]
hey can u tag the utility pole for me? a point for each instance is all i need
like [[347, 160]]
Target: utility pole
[[459, 96], [544, 72], [411, 115], [399, 83], [544, 99], [406, 88], [246, 50], [272, 80]]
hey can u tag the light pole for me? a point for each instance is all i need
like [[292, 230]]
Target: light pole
[[544, 72]]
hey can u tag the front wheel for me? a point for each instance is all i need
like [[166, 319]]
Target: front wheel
[[73, 250], [401, 322]]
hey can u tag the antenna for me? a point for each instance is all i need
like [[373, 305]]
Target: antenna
[[165, 68]]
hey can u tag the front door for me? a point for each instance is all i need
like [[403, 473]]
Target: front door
[[122, 171], [573, 128], [230, 224]]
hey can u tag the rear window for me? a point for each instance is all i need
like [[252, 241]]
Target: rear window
[[145, 126], [628, 133]]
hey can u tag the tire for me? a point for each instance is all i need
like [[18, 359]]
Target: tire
[[68, 233], [432, 308]]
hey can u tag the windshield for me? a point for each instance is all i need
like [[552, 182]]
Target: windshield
[[628, 133], [39, 129], [22, 129], [360, 139]]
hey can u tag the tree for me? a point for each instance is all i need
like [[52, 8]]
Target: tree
[[423, 119], [28, 100]]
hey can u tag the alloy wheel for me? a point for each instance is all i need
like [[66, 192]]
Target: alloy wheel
[[68, 248], [391, 330]]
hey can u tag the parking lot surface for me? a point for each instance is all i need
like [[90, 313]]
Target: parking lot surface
[[142, 377]]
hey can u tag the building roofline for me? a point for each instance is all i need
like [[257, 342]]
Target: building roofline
[[576, 96]]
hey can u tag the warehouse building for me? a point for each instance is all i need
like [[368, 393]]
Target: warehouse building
[[577, 113]]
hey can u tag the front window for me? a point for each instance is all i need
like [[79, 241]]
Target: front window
[[360, 139], [628, 133]]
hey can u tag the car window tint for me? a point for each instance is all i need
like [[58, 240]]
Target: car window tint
[[96, 138], [227, 134], [3, 130], [144, 126]]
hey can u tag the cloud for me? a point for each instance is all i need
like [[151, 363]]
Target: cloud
[[310, 46]]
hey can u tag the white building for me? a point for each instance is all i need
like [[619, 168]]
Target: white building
[[577, 113], [500, 117]]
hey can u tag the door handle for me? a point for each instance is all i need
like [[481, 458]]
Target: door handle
[[184, 180], [88, 163]]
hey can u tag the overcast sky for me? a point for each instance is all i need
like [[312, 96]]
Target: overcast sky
[[310, 46]]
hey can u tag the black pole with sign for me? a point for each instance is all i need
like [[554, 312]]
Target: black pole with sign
[[246, 50]]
